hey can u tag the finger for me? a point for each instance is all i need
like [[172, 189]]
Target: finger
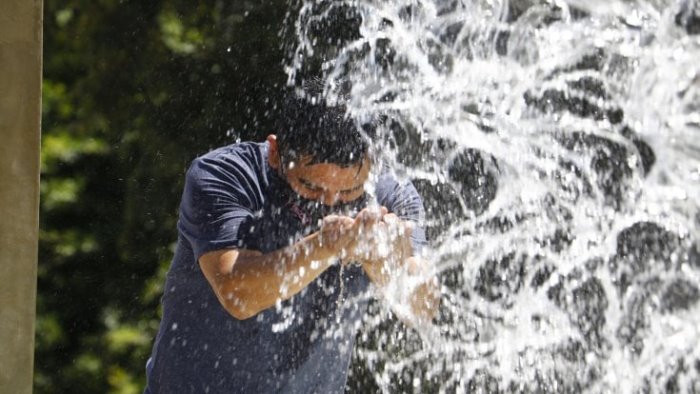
[[372, 213], [330, 218], [346, 222], [403, 227], [408, 227], [335, 229], [394, 225], [391, 219], [338, 220], [368, 217], [407, 245]]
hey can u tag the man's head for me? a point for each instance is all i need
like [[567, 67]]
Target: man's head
[[321, 153]]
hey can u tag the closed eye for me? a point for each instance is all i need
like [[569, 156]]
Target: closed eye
[[353, 190], [318, 189], [310, 185]]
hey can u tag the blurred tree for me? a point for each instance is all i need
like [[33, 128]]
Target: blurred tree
[[133, 91]]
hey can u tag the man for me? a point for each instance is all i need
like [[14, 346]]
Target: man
[[276, 248]]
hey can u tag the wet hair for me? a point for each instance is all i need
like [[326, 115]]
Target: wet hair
[[311, 127]]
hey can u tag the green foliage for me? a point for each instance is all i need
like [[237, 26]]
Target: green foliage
[[132, 92]]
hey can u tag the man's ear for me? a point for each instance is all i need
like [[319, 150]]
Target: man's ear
[[273, 157]]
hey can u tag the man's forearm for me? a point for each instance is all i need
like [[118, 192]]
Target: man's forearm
[[424, 299], [255, 281]]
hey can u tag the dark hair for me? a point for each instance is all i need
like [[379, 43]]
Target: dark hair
[[310, 126]]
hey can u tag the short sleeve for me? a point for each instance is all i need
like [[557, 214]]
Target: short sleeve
[[403, 200], [217, 200]]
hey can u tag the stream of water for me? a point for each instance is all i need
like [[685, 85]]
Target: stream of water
[[556, 144]]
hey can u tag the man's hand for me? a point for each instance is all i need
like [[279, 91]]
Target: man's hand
[[383, 246], [340, 236], [382, 238], [336, 233]]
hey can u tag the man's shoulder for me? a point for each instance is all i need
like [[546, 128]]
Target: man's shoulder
[[241, 156], [243, 163], [392, 190], [240, 150], [388, 183]]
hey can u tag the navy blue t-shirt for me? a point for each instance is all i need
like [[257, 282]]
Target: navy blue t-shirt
[[233, 199]]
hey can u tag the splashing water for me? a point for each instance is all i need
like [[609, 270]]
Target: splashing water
[[556, 144]]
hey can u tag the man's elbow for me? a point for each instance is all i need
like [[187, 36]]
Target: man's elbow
[[426, 301], [239, 305], [241, 313]]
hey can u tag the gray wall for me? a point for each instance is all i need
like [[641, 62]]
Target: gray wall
[[20, 111]]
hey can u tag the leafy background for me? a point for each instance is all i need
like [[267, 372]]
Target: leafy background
[[132, 92]]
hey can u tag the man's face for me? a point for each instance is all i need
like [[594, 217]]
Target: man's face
[[326, 183]]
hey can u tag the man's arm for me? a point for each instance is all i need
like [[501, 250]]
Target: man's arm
[[425, 297], [247, 282]]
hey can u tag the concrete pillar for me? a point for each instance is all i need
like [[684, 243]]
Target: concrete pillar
[[20, 112]]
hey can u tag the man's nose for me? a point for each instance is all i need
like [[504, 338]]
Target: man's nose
[[330, 197]]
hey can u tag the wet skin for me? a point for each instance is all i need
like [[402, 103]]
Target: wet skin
[[247, 282], [325, 182]]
